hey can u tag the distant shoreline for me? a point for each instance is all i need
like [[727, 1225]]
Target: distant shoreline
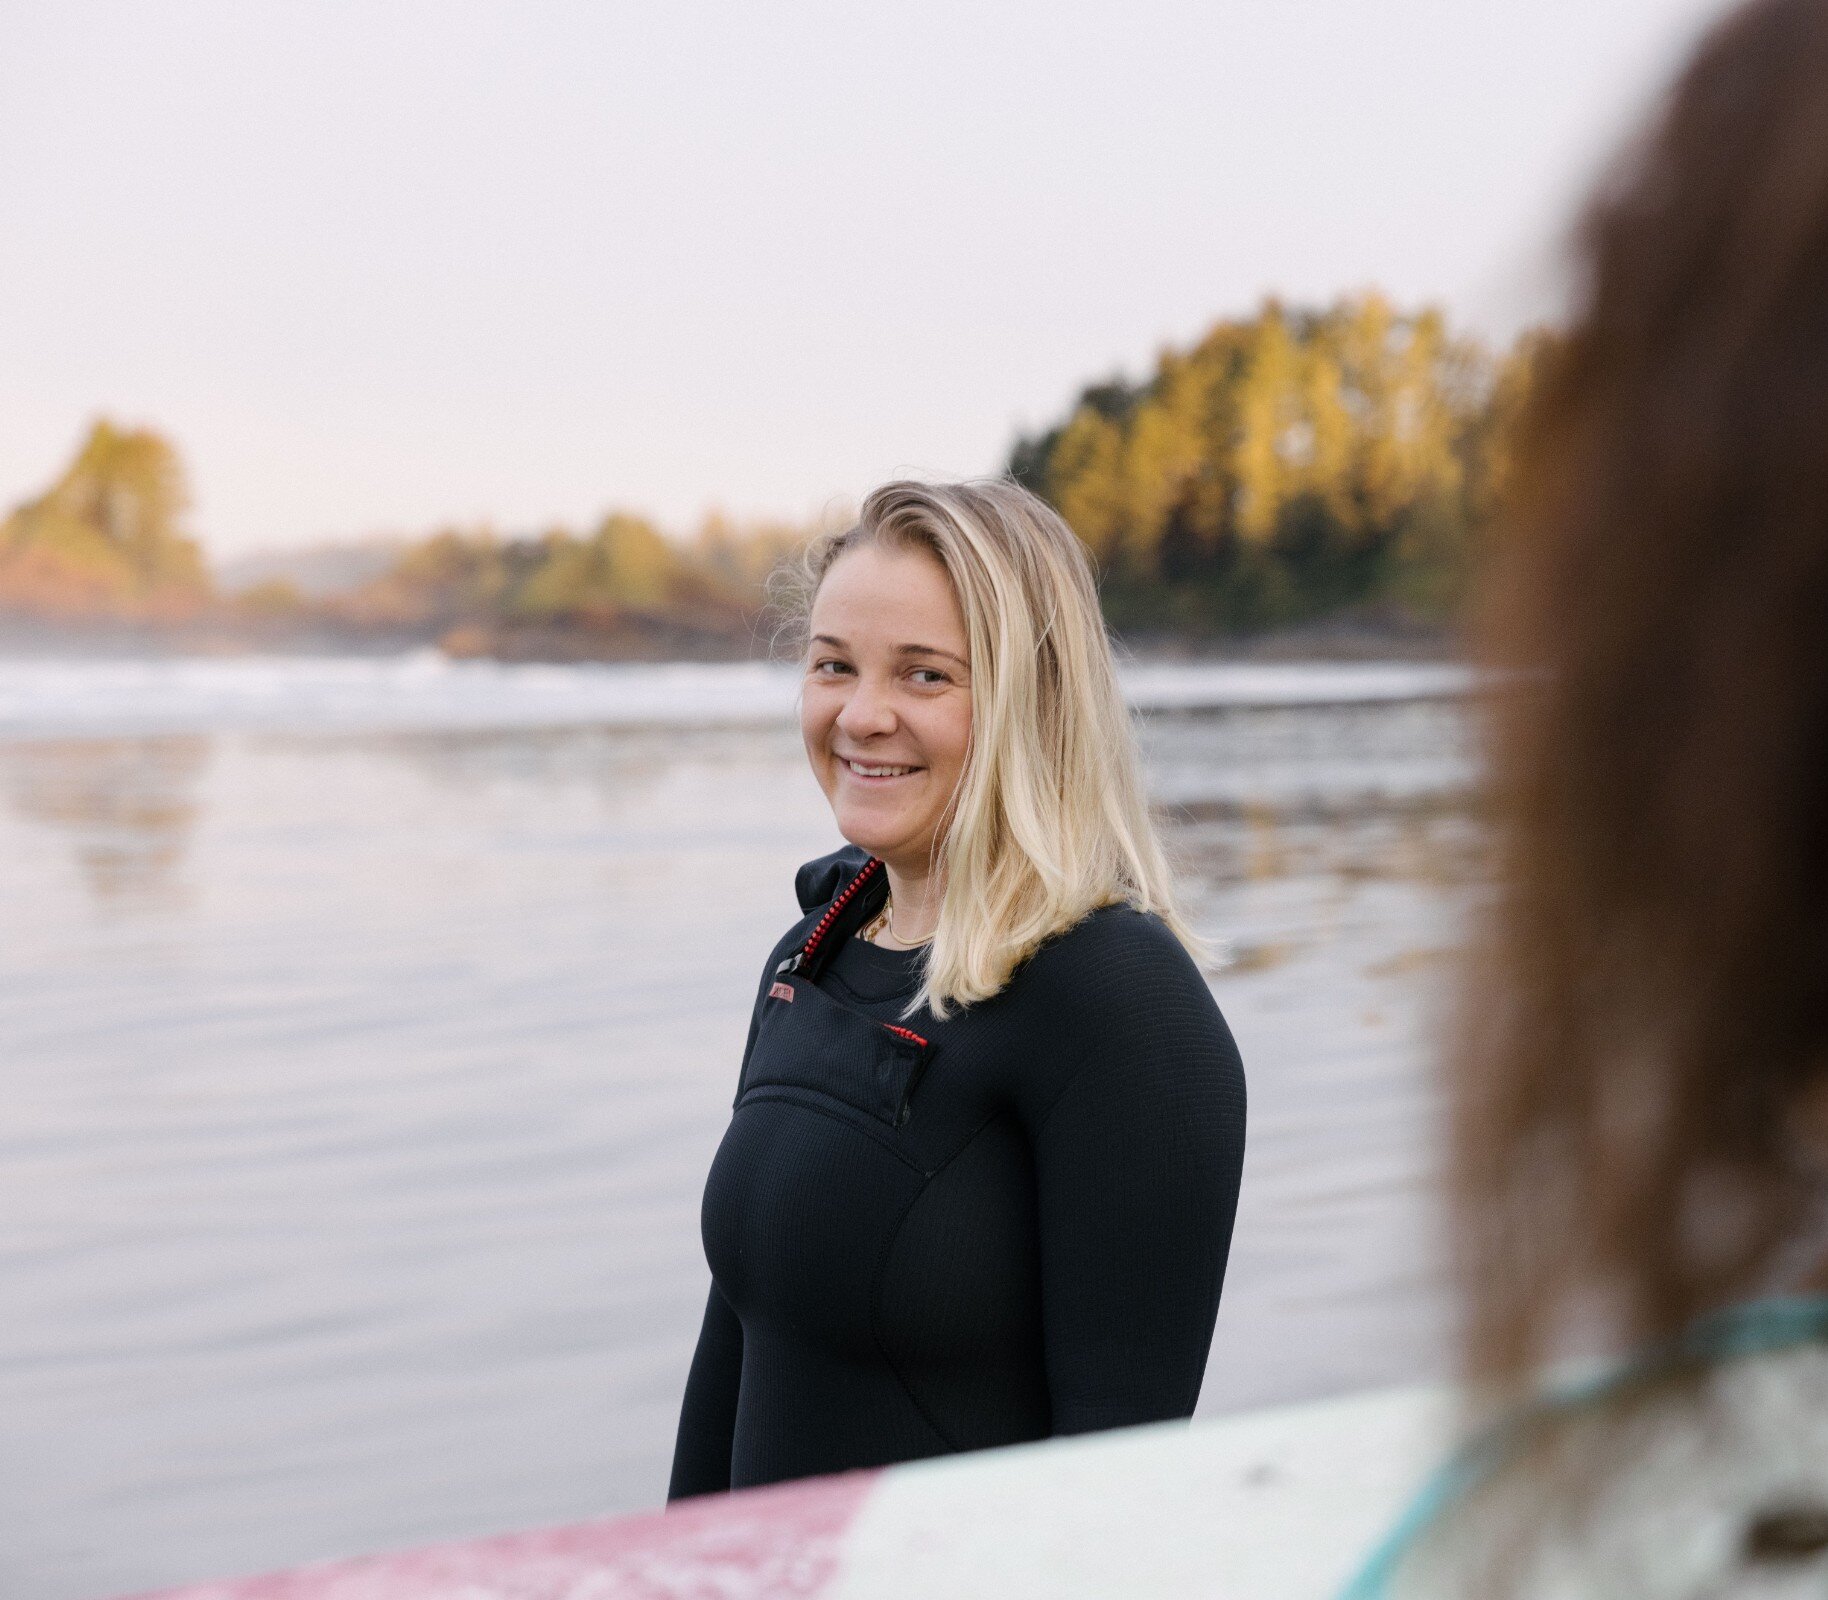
[[421, 691], [1339, 638], [1343, 638]]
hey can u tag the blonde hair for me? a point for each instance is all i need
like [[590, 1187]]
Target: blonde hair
[[1049, 819]]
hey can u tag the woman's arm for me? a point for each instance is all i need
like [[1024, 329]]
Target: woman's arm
[[707, 1418], [707, 1415], [1137, 1161]]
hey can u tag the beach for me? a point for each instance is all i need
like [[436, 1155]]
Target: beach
[[367, 1027]]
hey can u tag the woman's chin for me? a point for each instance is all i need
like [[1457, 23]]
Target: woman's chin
[[866, 833], [871, 830]]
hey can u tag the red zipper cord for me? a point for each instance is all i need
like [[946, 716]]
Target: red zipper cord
[[906, 1033], [830, 916], [838, 905]]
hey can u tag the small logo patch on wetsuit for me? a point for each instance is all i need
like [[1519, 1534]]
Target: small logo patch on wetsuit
[[781, 991]]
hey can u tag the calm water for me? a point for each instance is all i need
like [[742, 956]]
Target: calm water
[[366, 1031]]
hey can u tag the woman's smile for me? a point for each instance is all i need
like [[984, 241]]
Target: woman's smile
[[877, 774]]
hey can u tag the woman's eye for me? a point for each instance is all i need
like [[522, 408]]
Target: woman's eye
[[927, 677]]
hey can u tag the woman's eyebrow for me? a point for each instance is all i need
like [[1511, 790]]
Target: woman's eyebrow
[[900, 649]]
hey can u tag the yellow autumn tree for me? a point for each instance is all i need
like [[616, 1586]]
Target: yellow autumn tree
[[1284, 464], [107, 538], [626, 565]]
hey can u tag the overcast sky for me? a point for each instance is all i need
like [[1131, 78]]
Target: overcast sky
[[378, 265]]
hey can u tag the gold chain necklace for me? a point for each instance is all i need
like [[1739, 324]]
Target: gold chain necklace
[[885, 918]]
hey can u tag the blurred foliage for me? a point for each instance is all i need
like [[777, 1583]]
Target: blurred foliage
[[1288, 466], [106, 540], [623, 573], [451, 577], [276, 598], [624, 564]]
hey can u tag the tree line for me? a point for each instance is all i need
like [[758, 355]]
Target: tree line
[[106, 544], [1286, 466]]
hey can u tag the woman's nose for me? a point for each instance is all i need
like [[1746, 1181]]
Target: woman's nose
[[866, 710]]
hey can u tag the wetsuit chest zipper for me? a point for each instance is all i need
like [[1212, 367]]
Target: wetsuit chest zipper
[[806, 962], [804, 954], [833, 1059], [920, 1066]]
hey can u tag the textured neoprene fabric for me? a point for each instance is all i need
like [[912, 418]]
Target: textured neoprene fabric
[[1018, 1228]]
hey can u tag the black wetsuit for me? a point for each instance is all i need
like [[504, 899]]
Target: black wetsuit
[[1007, 1225]]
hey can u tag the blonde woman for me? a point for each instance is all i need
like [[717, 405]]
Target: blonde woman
[[979, 1182]]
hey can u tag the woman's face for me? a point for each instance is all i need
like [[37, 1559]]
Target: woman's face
[[888, 684]]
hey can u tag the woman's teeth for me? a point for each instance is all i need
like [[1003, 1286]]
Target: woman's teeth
[[878, 772]]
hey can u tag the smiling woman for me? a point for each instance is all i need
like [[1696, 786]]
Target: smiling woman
[[979, 1182]]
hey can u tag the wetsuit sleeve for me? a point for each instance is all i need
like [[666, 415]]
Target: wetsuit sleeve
[[1137, 1163], [707, 1415], [707, 1418]]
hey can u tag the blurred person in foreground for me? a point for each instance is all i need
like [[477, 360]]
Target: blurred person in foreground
[[1639, 1078]]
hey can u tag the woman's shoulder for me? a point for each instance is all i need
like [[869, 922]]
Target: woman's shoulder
[[1116, 943], [1116, 1005], [1119, 976]]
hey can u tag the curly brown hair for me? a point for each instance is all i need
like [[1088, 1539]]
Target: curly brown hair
[[1640, 1068]]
